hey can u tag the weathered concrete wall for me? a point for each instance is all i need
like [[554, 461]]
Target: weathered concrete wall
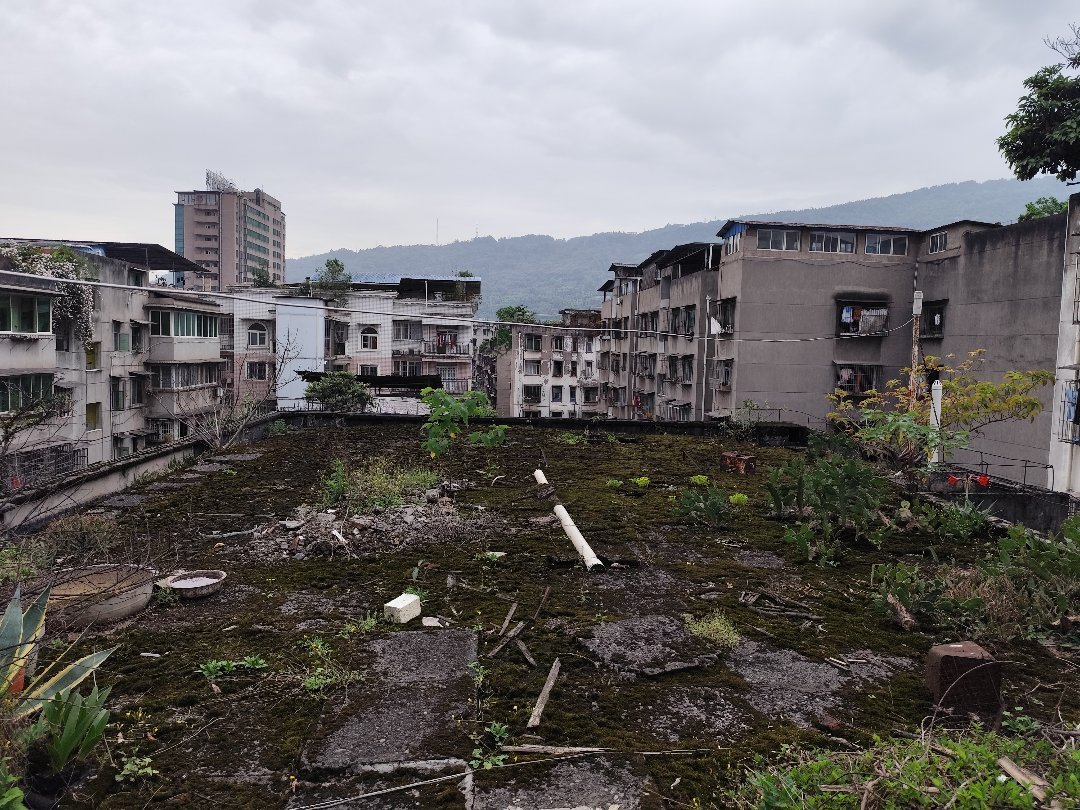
[[1004, 292]]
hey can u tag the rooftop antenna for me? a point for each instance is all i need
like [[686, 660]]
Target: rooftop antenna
[[216, 181]]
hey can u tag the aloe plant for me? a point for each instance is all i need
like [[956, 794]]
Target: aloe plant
[[73, 725], [18, 633]]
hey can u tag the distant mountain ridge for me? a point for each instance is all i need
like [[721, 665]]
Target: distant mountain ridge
[[548, 274]]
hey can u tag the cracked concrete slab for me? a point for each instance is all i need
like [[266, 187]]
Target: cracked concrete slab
[[646, 645], [586, 783]]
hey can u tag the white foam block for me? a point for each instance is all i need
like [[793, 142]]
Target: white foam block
[[403, 609]]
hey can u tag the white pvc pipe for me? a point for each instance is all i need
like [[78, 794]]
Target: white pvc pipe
[[540, 477], [572, 532], [935, 417]]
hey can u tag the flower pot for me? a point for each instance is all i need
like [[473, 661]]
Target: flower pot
[[18, 682]]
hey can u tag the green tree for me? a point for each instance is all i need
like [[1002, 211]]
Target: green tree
[[260, 277], [503, 338], [333, 273], [1043, 207], [1043, 135], [339, 391]]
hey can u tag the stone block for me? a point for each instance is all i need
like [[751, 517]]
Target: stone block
[[964, 676], [403, 609]]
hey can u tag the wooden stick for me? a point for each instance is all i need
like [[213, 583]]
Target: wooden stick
[[525, 651], [509, 616], [543, 601], [550, 749], [506, 639], [1031, 781], [545, 693]]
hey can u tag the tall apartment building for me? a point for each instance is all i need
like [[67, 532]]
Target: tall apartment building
[[381, 326], [151, 361], [551, 371], [232, 235], [779, 315]]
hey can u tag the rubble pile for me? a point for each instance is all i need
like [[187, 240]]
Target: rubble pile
[[314, 533]]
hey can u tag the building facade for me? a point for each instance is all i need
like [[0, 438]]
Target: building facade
[[148, 362], [378, 327], [235, 237], [551, 371]]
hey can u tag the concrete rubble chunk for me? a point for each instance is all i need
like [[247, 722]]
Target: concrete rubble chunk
[[964, 676], [403, 609]]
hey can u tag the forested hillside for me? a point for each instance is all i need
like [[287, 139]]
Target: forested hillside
[[548, 274]]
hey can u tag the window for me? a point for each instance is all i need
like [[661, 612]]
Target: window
[[407, 368], [369, 338], [932, 324], [573, 368], [137, 389], [689, 321], [882, 244], [725, 317], [556, 393], [369, 371], [557, 344], [337, 335], [532, 367], [827, 242], [24, 390], [722, 373], [533, 342], [25, 314], [557, 414], [257, 335], [120, 448], [160, 322], [63, 337], [117, 398], [686, 369], [121, 339], [93, 356], [588, 345], [136, 339], [408, 330], [93, 416], [592, 396], [589, 369], [168, 377], [1069, 430], [939, 242], [556, 368], [531, 393], [775, 239], [256, 370], [856, 380], [862, 318], [573, 393]]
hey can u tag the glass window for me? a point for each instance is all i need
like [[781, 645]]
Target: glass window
[[93, 416], [939, 242], [556, 344], [369, 371], [533, 342], [828, 242], [256, 371], [556, 393], [93, 356], [25, 313], [257, 335], [556, 368], [776, 239], [532, 393], [369, 338], [117, 393], [160, 322], [881, 244], [856, 380], [532, 367]]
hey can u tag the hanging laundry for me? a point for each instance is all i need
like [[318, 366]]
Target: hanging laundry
[[845, 315]]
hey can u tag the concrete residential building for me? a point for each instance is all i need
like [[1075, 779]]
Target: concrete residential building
[[551, 371], [382, 326], [783, 314], [231, 234], [119, 384]]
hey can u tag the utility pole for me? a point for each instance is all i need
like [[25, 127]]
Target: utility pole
[[916, 319]]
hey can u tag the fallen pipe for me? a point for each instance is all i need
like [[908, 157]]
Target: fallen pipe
[[590, 559], [541, 479]]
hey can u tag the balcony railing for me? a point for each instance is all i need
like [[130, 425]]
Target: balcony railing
[[400, 347], [455, 386], [435, 347]]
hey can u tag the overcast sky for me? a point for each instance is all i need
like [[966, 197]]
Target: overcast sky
[[370, 120]]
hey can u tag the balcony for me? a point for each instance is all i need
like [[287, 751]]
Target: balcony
[[437, 348], [404, 347], [456, 386]]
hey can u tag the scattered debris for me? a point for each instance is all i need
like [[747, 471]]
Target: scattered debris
[[506, 639], [525, 651], [545, 693], [403, 609], [964, 676], [509, 616]]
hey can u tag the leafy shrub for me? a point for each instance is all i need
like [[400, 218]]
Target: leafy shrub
[[739, 499], [955, 521], [642, 481], [279, 427], [710, 507], [1022, 589], [71, 726], [449, 415], [570, 438], [699, 480], [715, 628], [613, 483], [377, 484], [339, 391], [839, 499]]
